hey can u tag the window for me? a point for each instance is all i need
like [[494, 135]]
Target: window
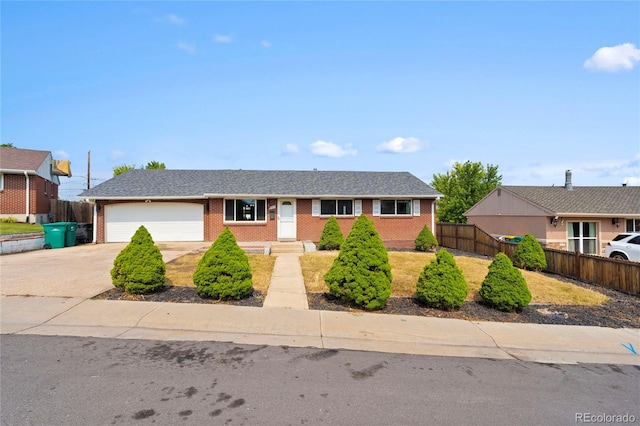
[[1, 181], [633, 225], [245, 210], [395, 207], [46, 184], [336, 207], [582, 237]]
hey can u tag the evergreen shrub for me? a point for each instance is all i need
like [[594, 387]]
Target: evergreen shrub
[[223, 272], [529, 254], [441, 283], [504, 287], [139, 267], [426, 240], [331, 237], [361, 274]]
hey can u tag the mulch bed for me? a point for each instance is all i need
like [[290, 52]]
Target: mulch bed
[[621, 310]]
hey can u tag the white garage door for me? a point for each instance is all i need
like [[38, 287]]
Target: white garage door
[[164, 221]]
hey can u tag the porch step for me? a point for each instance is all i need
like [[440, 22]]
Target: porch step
[[287, 247]]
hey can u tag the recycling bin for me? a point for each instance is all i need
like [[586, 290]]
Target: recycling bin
[[70, 235], [54, 234]]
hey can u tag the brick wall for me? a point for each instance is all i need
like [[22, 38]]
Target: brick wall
[[13, 199]]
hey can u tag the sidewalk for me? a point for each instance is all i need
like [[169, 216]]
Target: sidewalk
[[287, 324]]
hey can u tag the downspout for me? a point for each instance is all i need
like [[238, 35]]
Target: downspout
[[433, 216], [95, 223], [26, 176]]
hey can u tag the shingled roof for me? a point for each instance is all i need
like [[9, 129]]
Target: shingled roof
[[582, 200], [19, 160], [137, 184]]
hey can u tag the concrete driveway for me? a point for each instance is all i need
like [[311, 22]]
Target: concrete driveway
[[79, 272]]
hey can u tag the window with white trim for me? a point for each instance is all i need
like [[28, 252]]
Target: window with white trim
[[46, 186], [1, 181], [633, 225], [582, 237], [245, 210], [336, 207], [395, 207]]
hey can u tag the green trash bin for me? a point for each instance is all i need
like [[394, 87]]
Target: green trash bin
[[70, 238], [54, 234]]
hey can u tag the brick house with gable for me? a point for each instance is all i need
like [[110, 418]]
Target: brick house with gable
[[29, 179]]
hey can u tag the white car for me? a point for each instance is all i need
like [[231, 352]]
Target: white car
[[625, 246]]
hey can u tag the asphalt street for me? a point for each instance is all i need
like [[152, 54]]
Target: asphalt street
[[81, 381]]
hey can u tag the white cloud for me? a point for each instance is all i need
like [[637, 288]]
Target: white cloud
[[116, 155], [60, 154], [175, 19], [611, 59], [330, 149], [187, 47], [265, 43], [219, 38], [400, 145], [291, 148]]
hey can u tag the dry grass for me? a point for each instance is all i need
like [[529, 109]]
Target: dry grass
[[407, 266], [180, 271]]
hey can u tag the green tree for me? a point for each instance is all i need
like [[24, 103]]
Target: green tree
[[463, 187], [155, 165], [139, 267], [361, 273], [529, 254], [331, 237], [441, 283], [504, 287], [7, 145], [224, 271], [425, 240], [120, 169]]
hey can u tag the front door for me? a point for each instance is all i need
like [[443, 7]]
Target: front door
[[286, 220]]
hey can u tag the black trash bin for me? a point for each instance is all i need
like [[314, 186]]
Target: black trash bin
[[84, 233]]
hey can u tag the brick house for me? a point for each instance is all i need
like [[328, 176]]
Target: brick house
[[573, 218], [260, 205], [29, 179]]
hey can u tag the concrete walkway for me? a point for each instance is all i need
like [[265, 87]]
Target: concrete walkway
[[55, 300]]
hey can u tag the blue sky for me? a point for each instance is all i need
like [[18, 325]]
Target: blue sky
[[535, 88]]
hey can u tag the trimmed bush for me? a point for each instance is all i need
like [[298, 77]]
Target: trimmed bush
[[331, 237], [529, 254], [426, 240], [224, 271], [441, 283], [504, 287], [361, 273], [139, 267]]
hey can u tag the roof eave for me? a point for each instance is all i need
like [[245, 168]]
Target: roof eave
[[142, 197], [17, 171]]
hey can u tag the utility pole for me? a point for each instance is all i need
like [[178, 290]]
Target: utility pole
[[89, 170]]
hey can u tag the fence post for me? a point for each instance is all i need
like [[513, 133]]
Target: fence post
[[577, 266]]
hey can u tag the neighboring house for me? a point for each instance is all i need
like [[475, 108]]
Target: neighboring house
[[580, 218], [260, 205], [29, 179]]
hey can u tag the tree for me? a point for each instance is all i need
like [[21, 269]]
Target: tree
[[463, 187], [155, 165], [441, 283], [120, 169], [529, 254], [504, 287], [139, 267], [361, 273], [331, 237], [224, 271], [426, 240], [7, 145]]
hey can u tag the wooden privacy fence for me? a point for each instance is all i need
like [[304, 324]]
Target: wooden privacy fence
[[615, 274], [71, 211]]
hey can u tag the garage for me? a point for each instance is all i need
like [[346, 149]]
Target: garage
[[165, 221]]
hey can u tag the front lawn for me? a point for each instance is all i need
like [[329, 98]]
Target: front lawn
[[19, 228], [407, 266]]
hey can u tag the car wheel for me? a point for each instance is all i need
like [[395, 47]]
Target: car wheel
[[619, 256]]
